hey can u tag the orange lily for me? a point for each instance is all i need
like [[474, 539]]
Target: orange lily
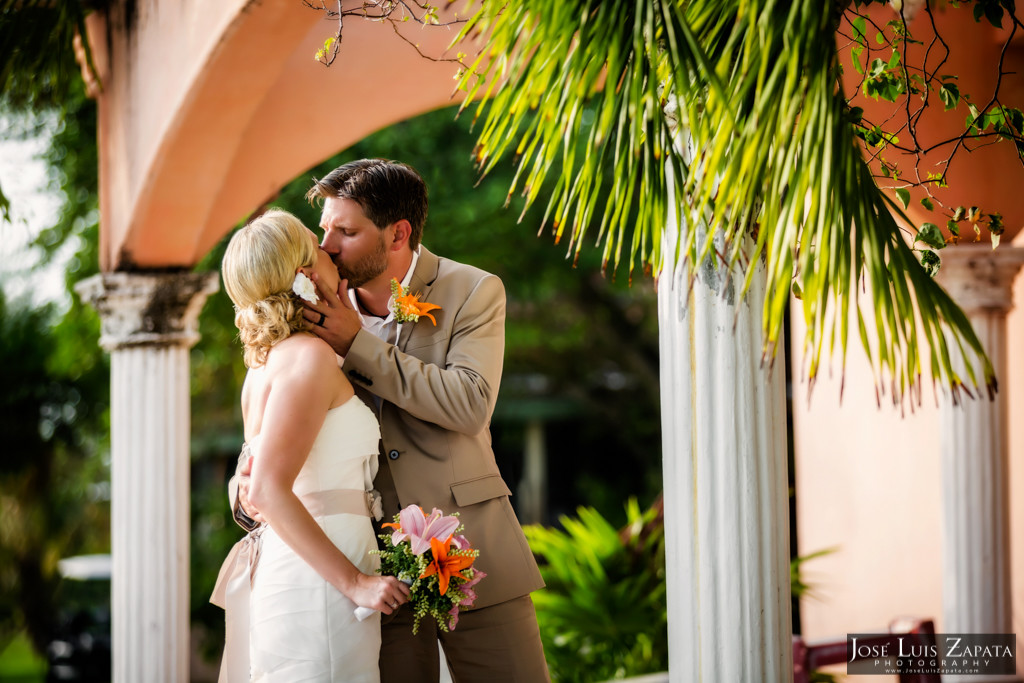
[[409, 307], [444, 565]]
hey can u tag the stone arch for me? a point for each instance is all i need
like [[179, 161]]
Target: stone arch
[[208, 109]]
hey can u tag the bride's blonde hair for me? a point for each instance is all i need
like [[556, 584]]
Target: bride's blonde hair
[[258, 268]]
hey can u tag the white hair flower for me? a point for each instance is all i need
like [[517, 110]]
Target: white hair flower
[[304, 288]]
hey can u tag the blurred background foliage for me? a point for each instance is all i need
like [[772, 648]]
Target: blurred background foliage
[[54, 419]]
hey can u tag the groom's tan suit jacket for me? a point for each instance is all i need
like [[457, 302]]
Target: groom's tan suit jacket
[[438, 386]]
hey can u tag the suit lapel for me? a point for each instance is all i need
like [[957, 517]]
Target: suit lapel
[[422, 278]]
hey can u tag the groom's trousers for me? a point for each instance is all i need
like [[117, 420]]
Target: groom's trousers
[[496, 644]]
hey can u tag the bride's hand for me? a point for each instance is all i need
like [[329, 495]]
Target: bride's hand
[[381, 593], [243, 476]]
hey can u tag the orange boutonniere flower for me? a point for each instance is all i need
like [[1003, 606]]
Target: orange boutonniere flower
[[444, 565], [407, 307]]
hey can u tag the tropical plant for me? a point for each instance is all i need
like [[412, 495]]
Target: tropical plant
[[602, 614], [731, 115]]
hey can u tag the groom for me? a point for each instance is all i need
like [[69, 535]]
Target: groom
[[433, 388]]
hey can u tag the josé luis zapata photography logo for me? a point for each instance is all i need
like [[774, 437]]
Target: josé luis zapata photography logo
[[931, 653]]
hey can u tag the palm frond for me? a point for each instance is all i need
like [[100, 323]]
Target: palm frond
[[776, 174]]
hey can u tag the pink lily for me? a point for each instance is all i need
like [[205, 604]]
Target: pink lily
[[416, 526], [467, 589], [454, 614]]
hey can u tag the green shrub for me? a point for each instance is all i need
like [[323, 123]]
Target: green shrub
[[603, 613]]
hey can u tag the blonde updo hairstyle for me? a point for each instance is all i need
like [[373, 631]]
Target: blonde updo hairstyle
[[259, 267]]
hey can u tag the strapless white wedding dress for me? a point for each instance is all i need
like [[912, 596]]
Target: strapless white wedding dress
[[302, 629]]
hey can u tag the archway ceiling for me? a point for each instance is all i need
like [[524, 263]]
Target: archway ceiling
[[206, 124]]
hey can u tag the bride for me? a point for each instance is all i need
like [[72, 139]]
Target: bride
[[313, 445]]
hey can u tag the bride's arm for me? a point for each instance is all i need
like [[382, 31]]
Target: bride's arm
[[297, 405]]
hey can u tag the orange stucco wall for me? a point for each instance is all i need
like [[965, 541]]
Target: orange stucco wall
[[987, 175]]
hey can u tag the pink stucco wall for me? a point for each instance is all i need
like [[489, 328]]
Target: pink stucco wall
[[868, 483]]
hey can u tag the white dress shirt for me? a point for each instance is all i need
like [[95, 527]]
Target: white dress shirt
[[385, 328]]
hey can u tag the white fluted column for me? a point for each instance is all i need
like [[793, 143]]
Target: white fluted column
[[149, 322], [726, 494], [976, 514], [533, 489]]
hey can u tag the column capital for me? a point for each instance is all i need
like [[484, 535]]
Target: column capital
[[148, 308], [980, 278]]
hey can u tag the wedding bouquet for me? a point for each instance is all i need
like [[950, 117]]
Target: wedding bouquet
[[429, 553]]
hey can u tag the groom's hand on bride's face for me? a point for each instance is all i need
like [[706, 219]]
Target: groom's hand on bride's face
[[333, 318]]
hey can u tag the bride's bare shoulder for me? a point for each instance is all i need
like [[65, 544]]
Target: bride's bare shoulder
[[305, 349]]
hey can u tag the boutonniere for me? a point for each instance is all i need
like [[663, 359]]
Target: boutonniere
[[407, 307]]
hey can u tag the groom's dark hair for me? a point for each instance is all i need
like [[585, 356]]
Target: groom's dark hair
[[388, 191]]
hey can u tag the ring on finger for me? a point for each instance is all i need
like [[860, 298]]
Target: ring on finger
[[320, 322]]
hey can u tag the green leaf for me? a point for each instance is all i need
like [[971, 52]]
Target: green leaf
[[995, 223], [931, 262], [5, 207], [904, 195], [927, 203], [949, 93], [973, 120], [994, 14], [860, 33], [930, 235], [1015, 118], [954, 228], [857, 55]]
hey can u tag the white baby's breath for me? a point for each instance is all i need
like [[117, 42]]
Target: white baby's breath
[[304, 288]]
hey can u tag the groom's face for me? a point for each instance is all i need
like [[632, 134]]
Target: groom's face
[[357, 246]]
